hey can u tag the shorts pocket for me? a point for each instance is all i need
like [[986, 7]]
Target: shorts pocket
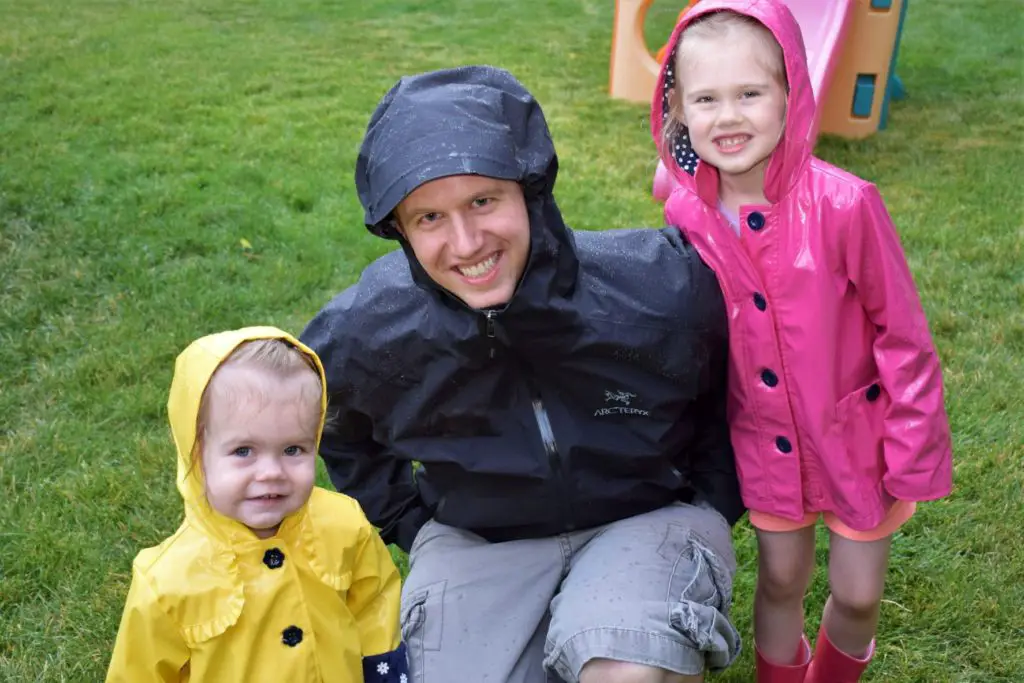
[[709, 584], [423, 618], [700, 611], [698, 573]]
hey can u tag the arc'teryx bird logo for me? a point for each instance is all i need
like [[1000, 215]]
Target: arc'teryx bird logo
[[623, 397]]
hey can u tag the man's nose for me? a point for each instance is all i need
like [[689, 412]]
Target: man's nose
[[465, 236]]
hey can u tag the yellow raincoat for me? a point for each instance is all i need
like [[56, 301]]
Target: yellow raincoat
[[214, 603]]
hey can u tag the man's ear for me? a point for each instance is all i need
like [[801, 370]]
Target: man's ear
[[396, 226]]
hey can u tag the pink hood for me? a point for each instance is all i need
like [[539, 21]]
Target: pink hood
[[835, 391], [794, 149]]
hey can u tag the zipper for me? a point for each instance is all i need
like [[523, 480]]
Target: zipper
[[547, 436], [491, 315]]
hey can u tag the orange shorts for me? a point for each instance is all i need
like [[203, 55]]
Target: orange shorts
[[898, 514]]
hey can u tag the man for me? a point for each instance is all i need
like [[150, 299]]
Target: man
[[560, 393]]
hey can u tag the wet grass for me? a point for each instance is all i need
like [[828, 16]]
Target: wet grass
[[168, 169]]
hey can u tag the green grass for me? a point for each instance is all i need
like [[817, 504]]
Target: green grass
[[142, 141]]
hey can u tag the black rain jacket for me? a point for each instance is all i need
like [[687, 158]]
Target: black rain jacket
[[597, 393]]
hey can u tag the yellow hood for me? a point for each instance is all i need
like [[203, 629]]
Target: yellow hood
[[192, 373]]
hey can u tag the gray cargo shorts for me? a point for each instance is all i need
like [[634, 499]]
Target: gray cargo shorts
[[654, 589]]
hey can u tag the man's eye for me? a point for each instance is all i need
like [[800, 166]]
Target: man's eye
[[482, 201], [428, 218]]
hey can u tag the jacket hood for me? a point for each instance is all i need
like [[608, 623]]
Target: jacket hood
[[470, 120], [193, 371], [793, 150], [476, 120]]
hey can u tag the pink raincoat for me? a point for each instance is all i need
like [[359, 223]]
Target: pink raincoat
[[835, 388]]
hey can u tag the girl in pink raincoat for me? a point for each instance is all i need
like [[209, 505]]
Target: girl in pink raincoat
[[836, 400]]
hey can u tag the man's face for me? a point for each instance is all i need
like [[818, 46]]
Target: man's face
[[471, 234]]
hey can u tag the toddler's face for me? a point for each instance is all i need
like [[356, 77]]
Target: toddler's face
[[733, 105], [259, 445]]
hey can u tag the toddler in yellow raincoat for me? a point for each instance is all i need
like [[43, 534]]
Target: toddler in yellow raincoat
[[268, 578]]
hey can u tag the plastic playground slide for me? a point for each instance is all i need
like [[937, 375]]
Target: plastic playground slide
[[825, 25]]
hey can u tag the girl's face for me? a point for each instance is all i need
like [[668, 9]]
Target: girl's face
[[733, 105], [259, 445]]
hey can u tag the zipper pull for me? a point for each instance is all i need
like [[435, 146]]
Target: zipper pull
[[490, 329]]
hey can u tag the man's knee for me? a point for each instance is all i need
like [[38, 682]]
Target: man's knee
[[610, 671]]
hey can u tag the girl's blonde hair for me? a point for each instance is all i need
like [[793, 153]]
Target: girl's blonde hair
[[718, 24], [276, 356]]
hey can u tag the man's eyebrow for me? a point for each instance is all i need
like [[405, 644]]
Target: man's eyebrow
[[416, 210]]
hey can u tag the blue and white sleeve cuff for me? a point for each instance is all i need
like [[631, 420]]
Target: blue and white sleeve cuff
[[389, 667]]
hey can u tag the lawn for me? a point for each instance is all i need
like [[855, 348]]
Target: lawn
[[170, 168]]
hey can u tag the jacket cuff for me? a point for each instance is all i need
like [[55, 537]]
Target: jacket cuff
[[389, 667]]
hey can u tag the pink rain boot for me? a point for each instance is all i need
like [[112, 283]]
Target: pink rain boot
[[832, 665], [769, 672]]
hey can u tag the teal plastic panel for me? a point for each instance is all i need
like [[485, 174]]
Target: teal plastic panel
[[863, 95]]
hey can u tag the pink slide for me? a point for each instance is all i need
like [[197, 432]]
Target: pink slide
[[824, 24]]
